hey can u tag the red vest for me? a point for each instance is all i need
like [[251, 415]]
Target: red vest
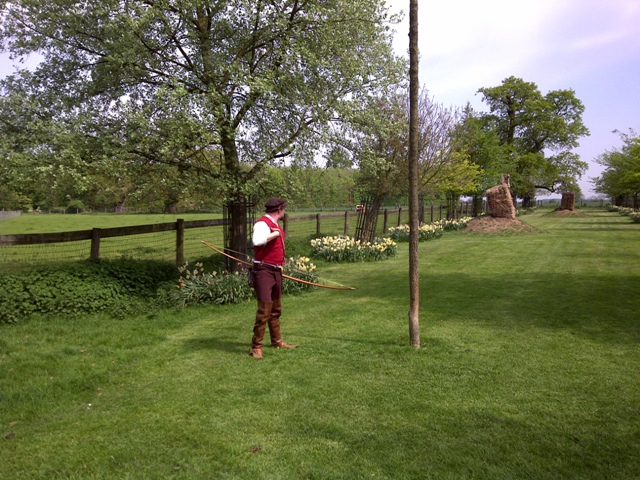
[[273, 251]]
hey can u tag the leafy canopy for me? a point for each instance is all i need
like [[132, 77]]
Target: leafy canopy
[[621, 175], [222, 88], [537, 133]]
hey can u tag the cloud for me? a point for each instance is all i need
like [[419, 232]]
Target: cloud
[[466, 44], [590, 46]]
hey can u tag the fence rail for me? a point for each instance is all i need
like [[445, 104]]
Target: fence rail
[[156, 241]]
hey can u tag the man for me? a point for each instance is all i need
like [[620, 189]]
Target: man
[[269, 260]]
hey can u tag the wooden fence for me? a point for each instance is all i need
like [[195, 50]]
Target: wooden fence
[[299, 225]]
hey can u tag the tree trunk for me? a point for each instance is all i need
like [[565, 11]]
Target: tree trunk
[[528, 201], [170, 206], [237, 206], [237, 242], [452, 204], [477, 205], [414, 207], [371, 220]]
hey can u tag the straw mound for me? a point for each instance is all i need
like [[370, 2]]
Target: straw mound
[[489, 224], [562, 212]]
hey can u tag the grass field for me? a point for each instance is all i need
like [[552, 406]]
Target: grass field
[[528, 369]]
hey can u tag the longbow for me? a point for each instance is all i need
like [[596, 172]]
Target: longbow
[[244, 262]]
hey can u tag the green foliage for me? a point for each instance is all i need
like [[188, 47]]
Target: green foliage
[[343, 248], [528, 125], [197, 285], [75, 206], [118, 287], [621, 175], [162, 99]]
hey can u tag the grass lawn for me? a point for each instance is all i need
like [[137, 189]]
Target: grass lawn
[[50, 223], [528, 369]]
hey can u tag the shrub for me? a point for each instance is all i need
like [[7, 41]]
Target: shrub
[[75, 206], [630, 212], [118, 287], [199, 286], [343, 248]]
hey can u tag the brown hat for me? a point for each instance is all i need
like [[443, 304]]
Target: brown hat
[[273, 204]]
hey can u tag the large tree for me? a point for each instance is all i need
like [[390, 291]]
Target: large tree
[[538, 132], [170, 81]]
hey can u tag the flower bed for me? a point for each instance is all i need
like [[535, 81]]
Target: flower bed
[[199, 286], [428, 231], [343, 248], [629, 212]]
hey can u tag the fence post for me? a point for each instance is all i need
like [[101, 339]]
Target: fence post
[[180, 242], [399, 215], [346, 223], [440, 212], [318, 223], [285, 224], [386, 218], [432, 208], [95, 244]]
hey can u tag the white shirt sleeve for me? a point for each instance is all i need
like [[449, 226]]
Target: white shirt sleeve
[[260, 232]]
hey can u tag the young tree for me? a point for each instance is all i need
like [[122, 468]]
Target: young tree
[[538, 133], [255, 80], [414, 183], [382, 150]]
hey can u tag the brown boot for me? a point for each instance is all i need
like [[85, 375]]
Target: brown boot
[[256, 353], [262, 317], [274, 326]]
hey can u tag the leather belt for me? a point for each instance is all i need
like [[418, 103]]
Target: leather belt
[[275, 267]]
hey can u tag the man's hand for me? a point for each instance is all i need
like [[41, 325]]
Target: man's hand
[[273, 235]]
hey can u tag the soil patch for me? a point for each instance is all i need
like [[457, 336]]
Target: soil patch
[[489, 224]]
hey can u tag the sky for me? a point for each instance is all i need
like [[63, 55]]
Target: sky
[[589, 46]]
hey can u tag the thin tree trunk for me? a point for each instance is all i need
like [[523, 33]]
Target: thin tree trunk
[[414, 224]]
